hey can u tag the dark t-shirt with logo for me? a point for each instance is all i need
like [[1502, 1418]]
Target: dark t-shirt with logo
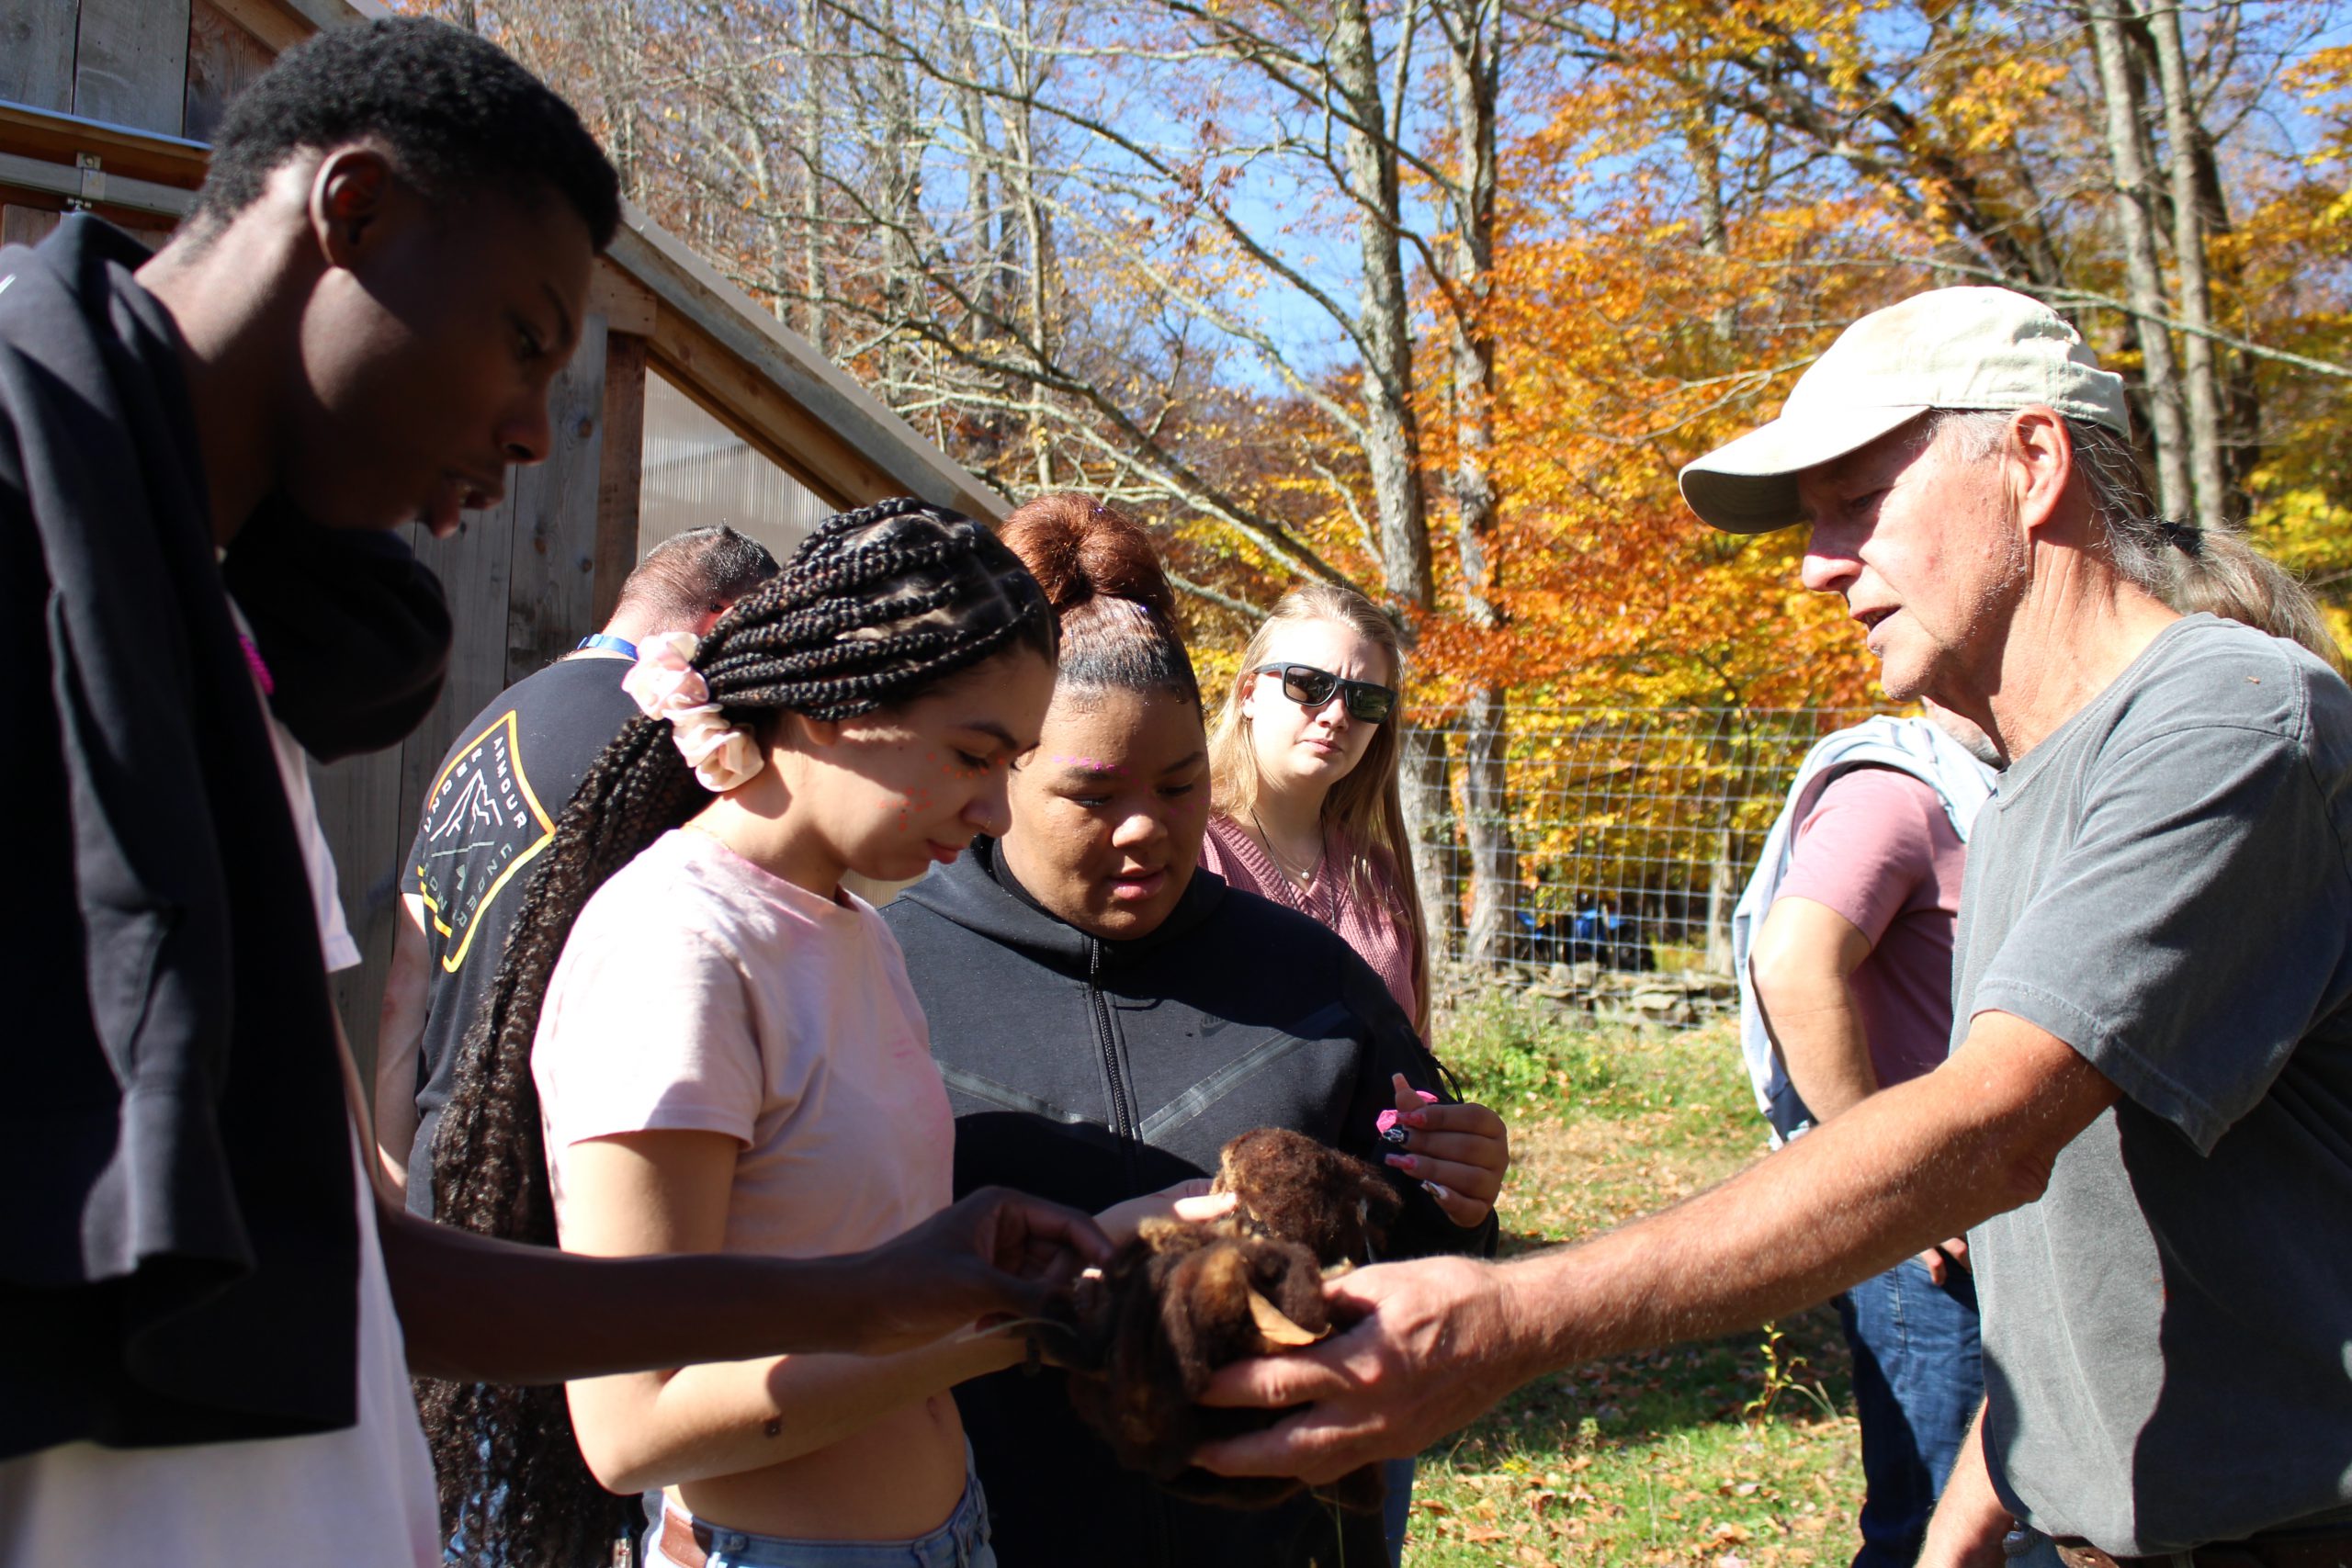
[[488, 815]]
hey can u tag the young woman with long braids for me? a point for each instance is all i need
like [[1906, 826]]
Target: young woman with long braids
[[1106, 1020], [1308, 812], [729, 1057]]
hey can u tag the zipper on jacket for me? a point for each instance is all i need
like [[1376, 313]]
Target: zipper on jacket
[[1122, 1121]]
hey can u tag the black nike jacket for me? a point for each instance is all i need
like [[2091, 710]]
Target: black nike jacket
[[1090, 1071]]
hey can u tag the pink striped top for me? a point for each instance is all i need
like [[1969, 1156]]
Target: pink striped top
[[1370, 926]]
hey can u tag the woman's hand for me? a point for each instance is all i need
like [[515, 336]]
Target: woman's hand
[[997, 1255], [1458, 1153], [1188, 1200]]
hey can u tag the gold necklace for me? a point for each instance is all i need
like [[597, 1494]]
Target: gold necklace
[[1302, 879]]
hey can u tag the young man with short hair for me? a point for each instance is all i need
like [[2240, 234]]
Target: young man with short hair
[[206, 1326]]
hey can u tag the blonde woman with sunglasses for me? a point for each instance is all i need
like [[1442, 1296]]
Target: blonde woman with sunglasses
[[1304, 762], [1308, 813]]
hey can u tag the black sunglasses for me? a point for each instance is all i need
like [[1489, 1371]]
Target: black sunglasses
[[1310, 688]]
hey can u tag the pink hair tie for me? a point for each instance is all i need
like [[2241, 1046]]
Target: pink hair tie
[[665, 684]]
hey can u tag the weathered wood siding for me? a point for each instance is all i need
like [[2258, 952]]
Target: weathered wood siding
[[104, 105], [521, 579]]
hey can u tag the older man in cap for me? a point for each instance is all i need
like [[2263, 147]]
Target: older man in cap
[[2146, 1123]]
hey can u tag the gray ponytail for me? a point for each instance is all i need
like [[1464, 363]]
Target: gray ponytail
[[2211, 570]]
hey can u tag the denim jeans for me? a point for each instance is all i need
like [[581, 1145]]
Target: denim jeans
[[961, 1543], [1397, 1505], [1919, 1379]]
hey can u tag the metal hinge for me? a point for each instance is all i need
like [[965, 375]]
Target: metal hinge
[[94, 177]]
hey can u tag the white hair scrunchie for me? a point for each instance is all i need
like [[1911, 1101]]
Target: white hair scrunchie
[[665, 684]]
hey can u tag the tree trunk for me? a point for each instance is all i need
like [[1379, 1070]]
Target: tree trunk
[[1392, 434], [1472, 33], [1721, 896], [813, 178], [2144, 280], [2183, 138], [1486, 802], [1393, 447], [1428, 825]]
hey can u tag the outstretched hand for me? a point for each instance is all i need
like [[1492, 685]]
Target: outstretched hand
[[1432, 1352], [1190, 1202], [999, 1254], [1458, 1153]]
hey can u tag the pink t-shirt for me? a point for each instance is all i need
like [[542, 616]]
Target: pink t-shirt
[[1878, 849], [699, 991], [1371, 925]]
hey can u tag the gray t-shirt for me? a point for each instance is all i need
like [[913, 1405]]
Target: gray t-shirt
[[2165, 884]]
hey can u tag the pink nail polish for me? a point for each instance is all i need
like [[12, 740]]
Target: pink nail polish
[[1402, 1162]]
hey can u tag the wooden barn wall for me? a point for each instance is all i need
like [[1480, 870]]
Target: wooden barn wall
[[168, 66], [522, 583], [165, 66], [526, 579]]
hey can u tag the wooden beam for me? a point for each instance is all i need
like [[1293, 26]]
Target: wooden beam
[[121, 150], [620, 482], [131, 63], [224, 58], [627, 305], [273, 26], [771, 387], [94, 188], [36, 51]]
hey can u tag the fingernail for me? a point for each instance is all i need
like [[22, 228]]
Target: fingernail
[[1434, 1191], [1402, 1162], [1414, 1119]]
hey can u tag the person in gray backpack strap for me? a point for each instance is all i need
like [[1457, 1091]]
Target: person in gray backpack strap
[[1842, 942]]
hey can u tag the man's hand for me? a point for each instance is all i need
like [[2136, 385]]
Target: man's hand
[[997, 1254], [1458, 1153], [1970, 1520], [1433, 1351]]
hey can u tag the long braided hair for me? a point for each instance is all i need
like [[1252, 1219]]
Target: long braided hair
[[876, 607]]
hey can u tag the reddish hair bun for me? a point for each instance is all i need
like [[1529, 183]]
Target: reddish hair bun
[[1080, 550], [1105, 580]]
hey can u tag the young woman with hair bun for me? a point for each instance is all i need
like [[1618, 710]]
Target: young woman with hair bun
[[1106, 1018], [697, 1042]]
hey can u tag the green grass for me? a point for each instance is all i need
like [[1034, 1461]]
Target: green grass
[[1739, 1454]]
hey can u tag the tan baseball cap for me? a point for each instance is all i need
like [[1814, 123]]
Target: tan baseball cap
[[1949, 348]]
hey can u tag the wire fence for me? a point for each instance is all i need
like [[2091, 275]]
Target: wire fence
[[1593, 855]]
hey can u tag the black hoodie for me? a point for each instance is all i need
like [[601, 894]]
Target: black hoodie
[[1090, 1072]]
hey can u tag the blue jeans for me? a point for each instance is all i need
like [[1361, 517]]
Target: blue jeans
[[961, 1543], [1397, 1505], [1919, 1379]]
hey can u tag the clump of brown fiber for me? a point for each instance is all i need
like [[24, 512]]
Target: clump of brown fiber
[[1181, 1300]]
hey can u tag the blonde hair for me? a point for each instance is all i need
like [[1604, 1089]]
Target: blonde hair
[[1367, 805]]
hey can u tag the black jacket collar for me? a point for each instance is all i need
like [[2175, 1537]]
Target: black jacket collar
[[978, 891]]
